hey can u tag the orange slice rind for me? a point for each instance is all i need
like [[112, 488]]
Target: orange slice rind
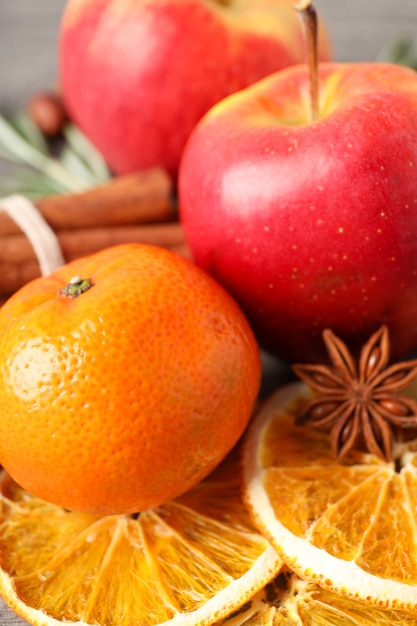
[[291, 601], [349, 526]]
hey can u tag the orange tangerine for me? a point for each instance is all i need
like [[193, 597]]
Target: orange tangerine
[[125, 378]]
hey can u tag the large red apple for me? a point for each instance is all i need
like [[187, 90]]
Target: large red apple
[[137, 75], [311, 224]]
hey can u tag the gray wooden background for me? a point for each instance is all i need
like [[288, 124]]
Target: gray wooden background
[[28, 37]]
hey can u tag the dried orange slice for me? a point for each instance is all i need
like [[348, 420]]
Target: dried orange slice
[[191, 561], [350, 526], [291, 601]]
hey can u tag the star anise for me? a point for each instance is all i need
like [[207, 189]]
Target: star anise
[[358, 400]]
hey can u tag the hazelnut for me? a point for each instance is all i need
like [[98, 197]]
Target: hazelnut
[[47, 111]]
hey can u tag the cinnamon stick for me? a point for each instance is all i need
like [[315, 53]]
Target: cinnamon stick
[[140, 198], [18, 263]]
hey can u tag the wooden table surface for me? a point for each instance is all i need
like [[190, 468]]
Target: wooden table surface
[[28, 59]]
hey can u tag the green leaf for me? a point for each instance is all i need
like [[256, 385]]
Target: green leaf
[[401, 51], [77, 167], [78, 143], [30, 132]]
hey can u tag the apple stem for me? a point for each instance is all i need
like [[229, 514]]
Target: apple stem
[[308, 16]]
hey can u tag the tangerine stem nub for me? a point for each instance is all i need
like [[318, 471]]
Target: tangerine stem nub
[[76, 287]]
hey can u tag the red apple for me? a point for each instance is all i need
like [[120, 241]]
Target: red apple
[[137, 75], [311, 224]]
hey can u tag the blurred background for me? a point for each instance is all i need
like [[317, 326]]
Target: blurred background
[[28, 36]]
